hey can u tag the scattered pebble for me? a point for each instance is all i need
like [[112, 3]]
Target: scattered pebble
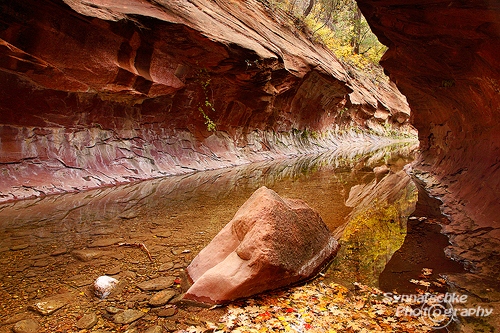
[[48, 306], [104, 285], [26, 326], [162, 297], [139, 298], [40, 256], [157, 284], [166, 266], [114, 270], [80, 280], [87, 321], [127, 316], [14, 319], [163, 233], [87, 254], [168, 312], [113, 310], [128, 274], [59, 251], [154, 329], [43, 263]]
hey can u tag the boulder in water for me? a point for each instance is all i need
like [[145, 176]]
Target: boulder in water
[[270, 243]]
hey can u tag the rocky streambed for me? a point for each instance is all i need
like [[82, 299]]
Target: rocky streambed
[[54, 248]]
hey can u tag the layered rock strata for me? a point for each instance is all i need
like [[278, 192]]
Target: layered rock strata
[[443, 55], [100, 92]]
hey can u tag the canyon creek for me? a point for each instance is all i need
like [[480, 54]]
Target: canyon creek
[[100, 93]]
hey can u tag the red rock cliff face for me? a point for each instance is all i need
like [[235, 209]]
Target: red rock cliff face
[[443, 55], [103, 92]]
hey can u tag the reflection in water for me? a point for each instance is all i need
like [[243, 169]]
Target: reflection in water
[[58, 241], [375, 229]]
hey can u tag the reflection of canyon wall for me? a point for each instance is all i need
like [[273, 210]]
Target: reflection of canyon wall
[[130, 200], [94, 93], [376, 227]]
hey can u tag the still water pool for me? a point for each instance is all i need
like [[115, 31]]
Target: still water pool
[[58, 245]]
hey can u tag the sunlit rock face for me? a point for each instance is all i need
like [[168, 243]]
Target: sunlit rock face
[[443, 55], [94, 93], [270, 243]]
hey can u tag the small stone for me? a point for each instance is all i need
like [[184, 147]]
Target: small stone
[[87, 255], [128, 274], [103, 286], [21, 268], [113, 310], [154, 329], [163, 234], [114, 270], [19, 247], [87, 321], [162, 297], [49, 306], [166, 266], [80, 280], [59, 251], [26, 326], [14, 319], [157, 284], [42, 263], [139, 298], [40, 256], [30, 274], [169, 312], [105, 242], [127, 316]]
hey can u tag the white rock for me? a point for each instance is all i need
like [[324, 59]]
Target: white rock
[[103, 286]]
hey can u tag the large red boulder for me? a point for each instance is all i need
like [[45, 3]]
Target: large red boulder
[[270, 243]]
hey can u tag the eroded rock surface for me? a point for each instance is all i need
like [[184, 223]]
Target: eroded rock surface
[[94, 93], [444, 57], [270, 243]]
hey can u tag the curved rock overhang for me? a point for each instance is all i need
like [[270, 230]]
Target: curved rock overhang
[[101, 92]]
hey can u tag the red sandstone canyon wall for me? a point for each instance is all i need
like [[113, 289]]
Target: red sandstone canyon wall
[[444, 56], [94, 93]]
